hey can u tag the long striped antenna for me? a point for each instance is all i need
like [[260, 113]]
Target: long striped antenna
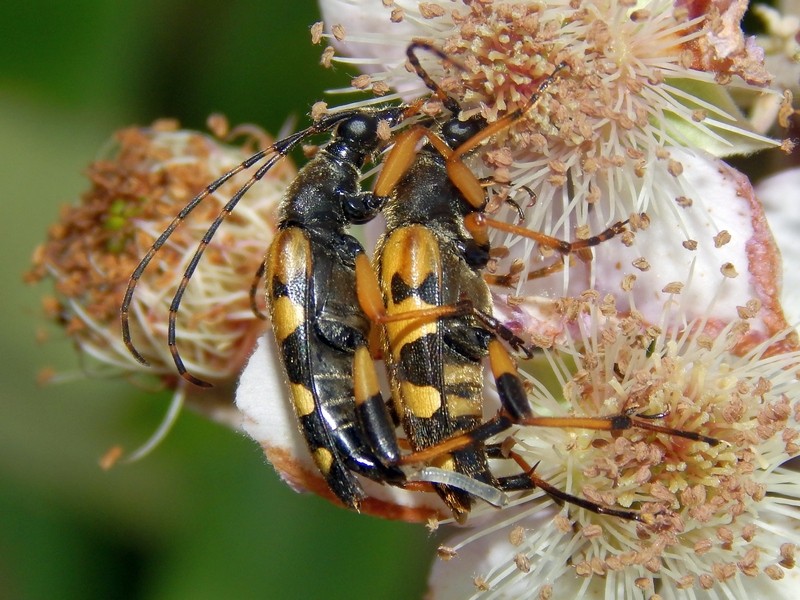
[[273, 155]]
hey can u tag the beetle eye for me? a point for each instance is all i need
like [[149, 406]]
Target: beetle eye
[[457, 132], [359, 129]]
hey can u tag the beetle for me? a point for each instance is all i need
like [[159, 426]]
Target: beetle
[[317, 322], [429, 295], [310, 278], [320, 322]]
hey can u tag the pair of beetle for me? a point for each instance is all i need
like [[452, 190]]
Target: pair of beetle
[[426, 291]]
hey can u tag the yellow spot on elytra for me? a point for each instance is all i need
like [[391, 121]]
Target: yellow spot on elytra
[[286, 317], [323, 459], [419, 252], [422, 401], [302, 398], [461, 374], [289, 256], [445, 462], [458, 406], [413, 253]]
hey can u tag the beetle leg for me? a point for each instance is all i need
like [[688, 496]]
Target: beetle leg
[[478, 224], [616, 423], [517, 411], [529, 480], [555, 267], [254, 289], [504, 333], [372, 413], [399, 160]]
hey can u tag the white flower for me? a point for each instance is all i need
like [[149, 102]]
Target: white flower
[[135, 193], [719, 516], [643, 81], [717, 220], [681, 319], [148, 176], [698, 333]]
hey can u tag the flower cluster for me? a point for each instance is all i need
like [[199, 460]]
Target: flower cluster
[[146, 178], [676, 324], [680, 319], [712, 516]]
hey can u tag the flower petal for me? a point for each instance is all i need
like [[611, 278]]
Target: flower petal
[[370, 21], [778, 195], [728, 224], [491, 566]]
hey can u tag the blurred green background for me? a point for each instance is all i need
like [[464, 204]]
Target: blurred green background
[[204, 516]]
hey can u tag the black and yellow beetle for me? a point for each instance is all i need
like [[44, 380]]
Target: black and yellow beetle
[[320, 322], [434, 306], [310, 278]]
